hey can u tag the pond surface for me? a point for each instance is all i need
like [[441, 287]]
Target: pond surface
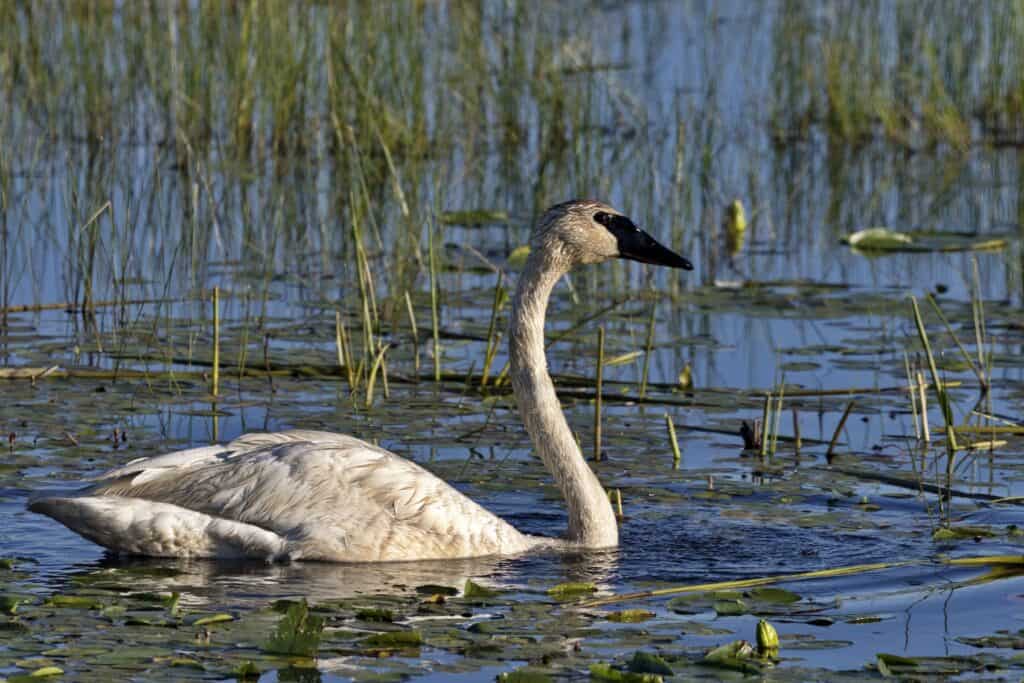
[[415, 161]]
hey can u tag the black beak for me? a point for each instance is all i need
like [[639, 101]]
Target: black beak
[[637, 245]]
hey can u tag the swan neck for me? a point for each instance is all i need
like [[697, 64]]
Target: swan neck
[[591, 518]]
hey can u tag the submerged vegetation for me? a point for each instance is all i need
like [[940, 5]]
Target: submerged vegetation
[[228, 216]]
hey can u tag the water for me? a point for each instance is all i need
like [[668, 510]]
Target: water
[[668, 110]]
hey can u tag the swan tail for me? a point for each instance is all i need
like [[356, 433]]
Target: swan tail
[[134, 526]]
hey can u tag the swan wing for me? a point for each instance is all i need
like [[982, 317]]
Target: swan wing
[[318, 496]]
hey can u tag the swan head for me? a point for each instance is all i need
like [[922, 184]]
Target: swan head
[[579, 232]]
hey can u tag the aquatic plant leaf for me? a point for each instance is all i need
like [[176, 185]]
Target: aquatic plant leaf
[[213, 619], [959, 532], [878, 239], [647, 663], [402, 639], [298, 633], [9, 604], [572, 590], [186, 662], [778, 596], [73, 601], [46, 672], [247, 671], [729, 608], [517, 259], [603, 672], [623, 358], [375, 615], [630, 616], [524, 676], [475, 590], [735, 656]]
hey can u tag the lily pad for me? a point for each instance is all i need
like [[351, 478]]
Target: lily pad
[[475, 590], [572, 590], [878, 239], [647, 663], [630, 616], [399, 639]]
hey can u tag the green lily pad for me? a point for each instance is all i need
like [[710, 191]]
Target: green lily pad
[[399, 639], [73, 601], [630, 616], [878, 239], [375, 615], [572, 590], [603, 672], [524, 676], [647, 663], [475, 590], [777, 596]]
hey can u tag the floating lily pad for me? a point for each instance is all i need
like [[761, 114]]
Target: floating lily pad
[[572, 590], [878, 239], [398, 639], [647, 663], [475, 590], [630, 616], [603, 672]]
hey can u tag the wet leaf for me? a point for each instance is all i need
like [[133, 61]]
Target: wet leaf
[[524, 676], [517, 259], [375, 615], [630, 616], [247, 671], [954, 533], [777, 596], [298, 633], [572, 590], [878, 239], [735, 656], [603, 672], [9, 604], [475, 590], [398, 639], [647, 663], [729, 608], [73, 601], [47, 671]]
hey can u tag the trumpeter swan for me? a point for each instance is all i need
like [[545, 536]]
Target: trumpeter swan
[[322, 496]]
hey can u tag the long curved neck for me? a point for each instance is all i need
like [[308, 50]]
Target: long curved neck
[[591, 519]]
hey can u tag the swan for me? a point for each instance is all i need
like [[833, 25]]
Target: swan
[[310, 495]]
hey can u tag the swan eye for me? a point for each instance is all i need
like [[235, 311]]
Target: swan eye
[[602, 218]]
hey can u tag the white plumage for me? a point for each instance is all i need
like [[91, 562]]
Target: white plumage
[[296, 495], [321, 496]]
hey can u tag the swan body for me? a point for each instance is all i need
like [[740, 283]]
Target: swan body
[[322, 496], [288, 495]]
